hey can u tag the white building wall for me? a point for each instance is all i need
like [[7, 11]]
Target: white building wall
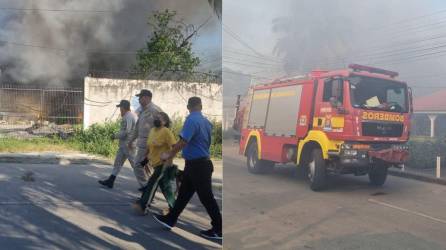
[[101, 95]]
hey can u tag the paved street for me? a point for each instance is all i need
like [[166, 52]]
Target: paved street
[[65, 208], [279, 211]]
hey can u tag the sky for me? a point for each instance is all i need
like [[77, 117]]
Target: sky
[[273, 39]]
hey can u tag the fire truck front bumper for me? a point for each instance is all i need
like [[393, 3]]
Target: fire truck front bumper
[[391, 155], [394, 154]]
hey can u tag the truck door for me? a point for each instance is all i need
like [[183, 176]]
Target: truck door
[[329, 99]]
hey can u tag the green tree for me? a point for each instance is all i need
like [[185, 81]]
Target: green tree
[[169, 49]]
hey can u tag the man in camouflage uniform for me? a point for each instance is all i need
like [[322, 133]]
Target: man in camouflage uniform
[[141, 132], [126, 150]]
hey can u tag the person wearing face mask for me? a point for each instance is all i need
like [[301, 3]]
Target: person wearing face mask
[[145, 122], [160, 141]]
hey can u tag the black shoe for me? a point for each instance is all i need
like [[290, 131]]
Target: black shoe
[[142, 189], [163, 220], [109, 182], [211, 234]]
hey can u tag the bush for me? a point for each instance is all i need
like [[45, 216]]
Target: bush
[[216, 139], [176, 126], [97, 139], [424, 152]]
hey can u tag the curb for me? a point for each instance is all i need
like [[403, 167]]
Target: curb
[[418, 177]]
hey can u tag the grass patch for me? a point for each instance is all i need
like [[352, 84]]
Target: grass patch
[[96, 140], [14, 145]]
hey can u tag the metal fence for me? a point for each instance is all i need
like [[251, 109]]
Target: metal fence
[[27, 110]]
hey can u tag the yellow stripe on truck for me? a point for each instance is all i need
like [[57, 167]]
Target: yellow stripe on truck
[[336, 122], [321, 138], [261, 96], [255, 134]]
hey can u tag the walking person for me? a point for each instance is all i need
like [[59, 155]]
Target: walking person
[[160, 140], [195, 141], [143, 126], [126, 150]]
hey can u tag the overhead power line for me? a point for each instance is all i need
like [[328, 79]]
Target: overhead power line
[[407, 20], [237, 38]]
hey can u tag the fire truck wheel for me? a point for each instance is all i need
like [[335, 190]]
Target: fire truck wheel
[[254, 164], [316, 170], [378, 175]]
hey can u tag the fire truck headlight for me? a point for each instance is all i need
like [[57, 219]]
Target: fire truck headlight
[[350, 152]]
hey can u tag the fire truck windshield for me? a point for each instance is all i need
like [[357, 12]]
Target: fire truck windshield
[[378, 94]]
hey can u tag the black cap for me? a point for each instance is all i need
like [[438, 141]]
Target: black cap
[[194, 101], [144, 92], [124, 104]]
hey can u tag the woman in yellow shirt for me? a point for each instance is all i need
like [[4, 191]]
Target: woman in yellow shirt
[[160, 140]]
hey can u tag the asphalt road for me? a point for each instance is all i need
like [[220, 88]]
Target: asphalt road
[[65, 208], [279, 211]]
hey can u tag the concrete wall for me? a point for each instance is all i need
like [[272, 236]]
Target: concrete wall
[[101, 95]]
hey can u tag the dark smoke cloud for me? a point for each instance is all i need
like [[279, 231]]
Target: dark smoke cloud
[[63, 44]]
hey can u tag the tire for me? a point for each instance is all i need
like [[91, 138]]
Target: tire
[[254, 164], [378, 174], [317, 173]]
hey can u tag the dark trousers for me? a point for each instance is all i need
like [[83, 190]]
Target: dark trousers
[[197, 177], [162, 177]]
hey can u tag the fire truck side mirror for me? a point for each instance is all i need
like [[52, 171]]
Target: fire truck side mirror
[[410, 100]]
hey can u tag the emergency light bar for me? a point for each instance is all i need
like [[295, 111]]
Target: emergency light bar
[[357, 67]]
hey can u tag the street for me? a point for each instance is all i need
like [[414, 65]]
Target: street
[[61, 206], [279, 211]]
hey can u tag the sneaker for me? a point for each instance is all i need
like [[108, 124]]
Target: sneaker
[[162, 219], [138, 208], [211, 234]]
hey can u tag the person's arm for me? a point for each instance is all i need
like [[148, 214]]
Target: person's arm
[[133, 134], [126, 128], [121, 132], [148, 147], [146, 158], [177, 147], [186, 135], [169, 140]]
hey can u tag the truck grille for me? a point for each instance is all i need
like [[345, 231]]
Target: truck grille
[[382, 129]]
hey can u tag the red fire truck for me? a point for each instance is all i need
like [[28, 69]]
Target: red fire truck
[[349, 121]]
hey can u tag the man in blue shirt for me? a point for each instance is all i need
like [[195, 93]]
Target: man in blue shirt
[[195, 141]]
